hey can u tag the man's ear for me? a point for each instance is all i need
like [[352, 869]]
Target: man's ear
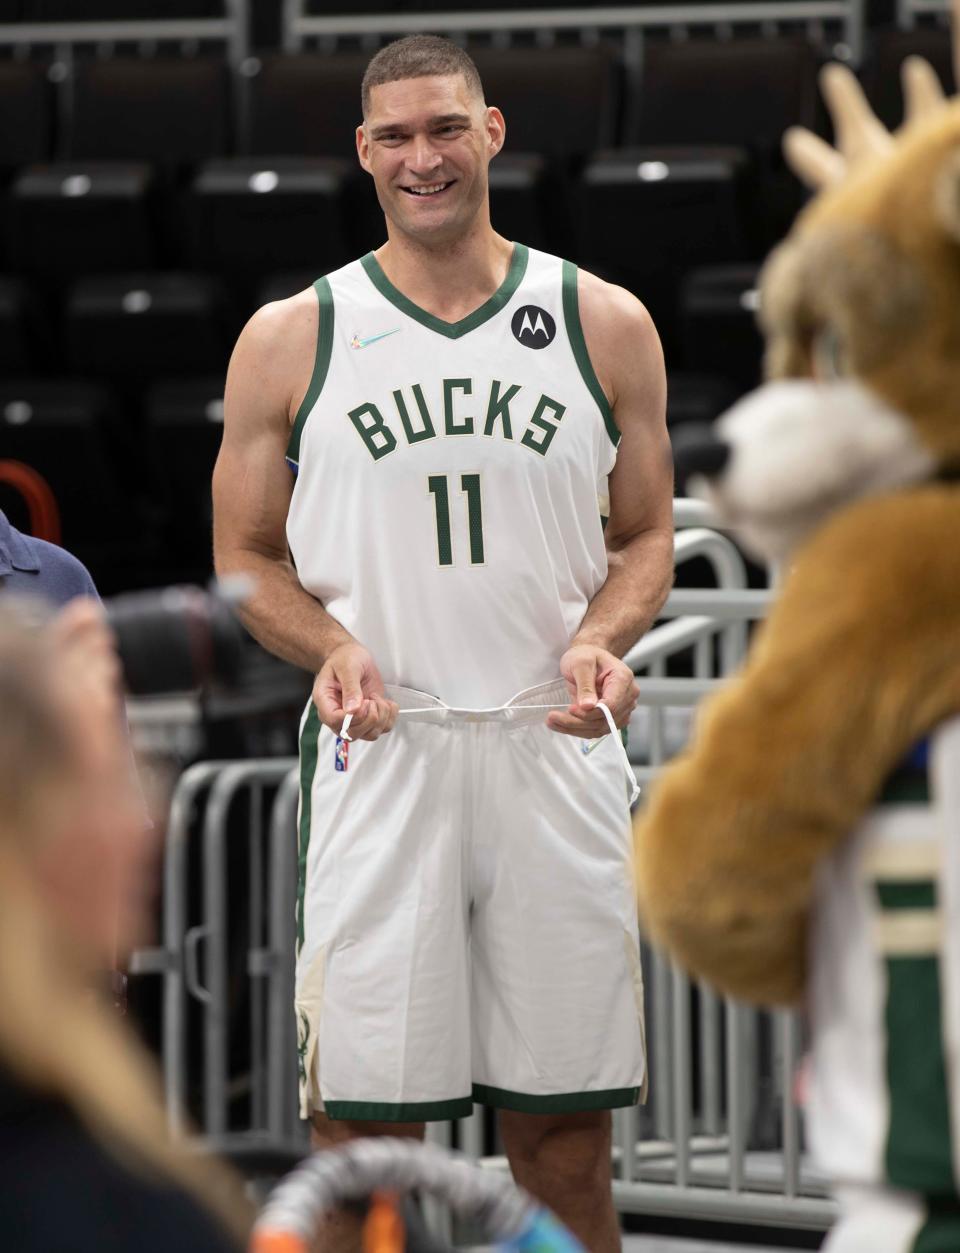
[[946, 195], [363, 148], [496, 129]]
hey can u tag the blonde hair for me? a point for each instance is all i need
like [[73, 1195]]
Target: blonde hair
[[56, 1036]]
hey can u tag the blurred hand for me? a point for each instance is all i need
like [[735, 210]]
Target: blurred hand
[[592, 675], [350, 683]]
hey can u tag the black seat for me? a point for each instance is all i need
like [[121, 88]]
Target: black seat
[[26, 113], [887, 50], [302, 104], [184, 425], [19, 330], [61, 430], [165, 110], [73, 218], [718, 309], [645, 214], [133, 328], [740, 93], [111, 203], [560, 102], [254, 215]]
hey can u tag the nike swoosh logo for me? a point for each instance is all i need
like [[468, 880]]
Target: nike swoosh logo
[[357, 342]]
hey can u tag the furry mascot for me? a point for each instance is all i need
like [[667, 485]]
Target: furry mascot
[[806, 847]]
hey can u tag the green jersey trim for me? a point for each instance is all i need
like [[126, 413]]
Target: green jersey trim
[[571, 317], [308, 768], [321, 365], [555, 1103], [452, 330]]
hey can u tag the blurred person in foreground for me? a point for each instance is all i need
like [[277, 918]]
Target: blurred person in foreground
[[84, 1152]]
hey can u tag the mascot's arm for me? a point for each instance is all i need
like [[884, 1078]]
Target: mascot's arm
[[859, 659]]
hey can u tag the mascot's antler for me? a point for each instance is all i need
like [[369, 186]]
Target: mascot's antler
[[859, 132]]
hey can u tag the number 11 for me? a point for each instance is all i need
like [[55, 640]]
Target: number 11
[[470, 486]]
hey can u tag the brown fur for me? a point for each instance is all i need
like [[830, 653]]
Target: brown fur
[[860, 657]]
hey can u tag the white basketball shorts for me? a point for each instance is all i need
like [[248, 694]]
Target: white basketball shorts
[[467, 923]]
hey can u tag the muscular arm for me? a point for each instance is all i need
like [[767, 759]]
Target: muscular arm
[[252, 484], [626, 355], [625, 351]]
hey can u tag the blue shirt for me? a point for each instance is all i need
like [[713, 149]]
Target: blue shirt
[[34, 566]]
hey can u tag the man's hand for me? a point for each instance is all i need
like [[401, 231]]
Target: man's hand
[[592, 675], [350, 683]]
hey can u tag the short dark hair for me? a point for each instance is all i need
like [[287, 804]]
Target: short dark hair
[[418, 56]]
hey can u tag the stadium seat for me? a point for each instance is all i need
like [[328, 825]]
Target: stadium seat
[[165, 110], [134, 328], [718, 309], [67, 219], [184, 425], [886, 51], [740, 93], [559, 102], [18, 346], [61, 429], [302, 104], [26, 113], [643, 215], [252, 216]]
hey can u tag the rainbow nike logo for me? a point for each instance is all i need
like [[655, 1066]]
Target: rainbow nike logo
[[357, 342]]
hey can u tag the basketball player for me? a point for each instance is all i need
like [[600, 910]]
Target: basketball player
[[451, 408]]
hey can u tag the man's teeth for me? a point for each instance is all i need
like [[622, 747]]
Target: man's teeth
[[428, 191]]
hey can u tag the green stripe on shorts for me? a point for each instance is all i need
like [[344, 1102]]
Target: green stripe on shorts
[[409, 1111], [941, 1232], [555, 1103], [919, 1150], [308, 770]]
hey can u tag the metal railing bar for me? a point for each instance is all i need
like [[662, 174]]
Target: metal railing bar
[[282, 1103], [787, 1027], [174, 1030], [667, 639], [682, 1096], [733, 605], [735, 1102], [710, 1059], [625, 18], [216, 1013], [114, 32], [667, 1200]]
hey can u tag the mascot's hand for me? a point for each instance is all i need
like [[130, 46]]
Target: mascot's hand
[[860, 134]]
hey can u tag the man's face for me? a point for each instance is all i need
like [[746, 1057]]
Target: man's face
[[428, 142]]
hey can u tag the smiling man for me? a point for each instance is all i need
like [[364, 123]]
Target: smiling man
[[453, 408]]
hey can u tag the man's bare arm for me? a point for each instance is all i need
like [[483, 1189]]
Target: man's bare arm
[[252, 485], [625, 351]]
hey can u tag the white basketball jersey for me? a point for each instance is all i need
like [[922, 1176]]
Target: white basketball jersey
[[448, 477]]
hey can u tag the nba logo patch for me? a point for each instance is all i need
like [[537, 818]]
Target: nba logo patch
[[341, 755]]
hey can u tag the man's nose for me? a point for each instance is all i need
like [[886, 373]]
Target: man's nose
[[424, 158]]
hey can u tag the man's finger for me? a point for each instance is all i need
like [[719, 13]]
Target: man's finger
[[589, 726], [585, 676], [349, 675]]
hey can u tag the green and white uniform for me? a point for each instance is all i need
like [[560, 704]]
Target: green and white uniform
[[466, 914], [884, 1110]]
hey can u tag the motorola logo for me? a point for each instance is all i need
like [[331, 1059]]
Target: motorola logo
[[533, 327]]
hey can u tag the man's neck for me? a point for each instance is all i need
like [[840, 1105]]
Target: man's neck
[[448, 280]]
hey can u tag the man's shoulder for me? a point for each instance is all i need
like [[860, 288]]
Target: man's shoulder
[[60, 575], [610, 308]]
